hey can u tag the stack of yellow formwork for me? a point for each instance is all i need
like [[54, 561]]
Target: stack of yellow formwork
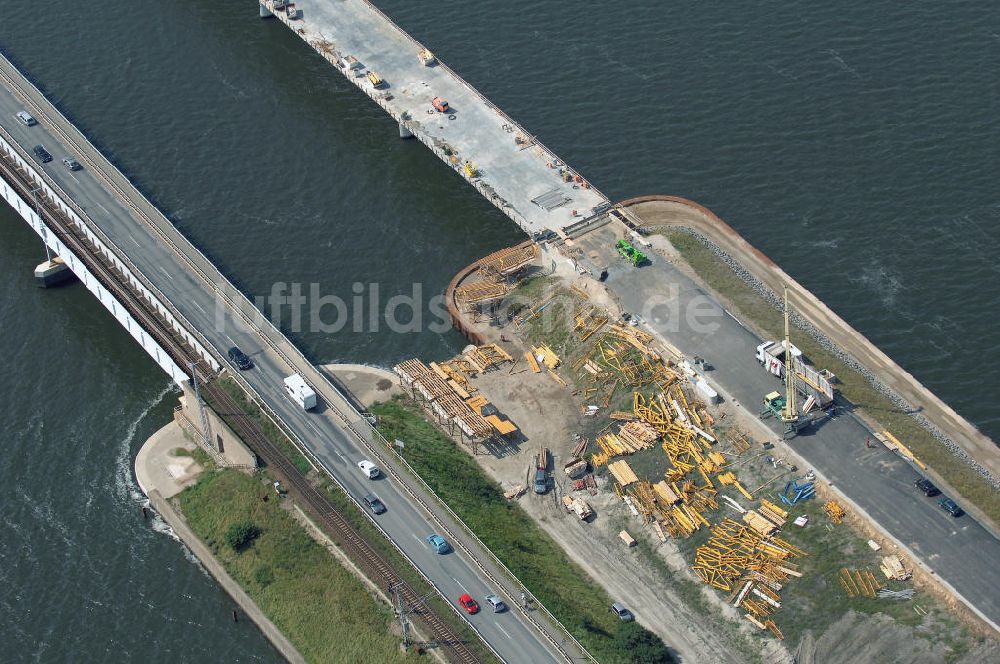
[[859, 582], [834, 511], [739, 440], [549, 358], [773, 513], [622, 472], [589, 319], [761, 525], [735, 549]]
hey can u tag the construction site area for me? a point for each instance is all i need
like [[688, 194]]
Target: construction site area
[[675, 498]]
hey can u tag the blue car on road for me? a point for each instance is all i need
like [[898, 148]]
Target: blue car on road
[[438, 543]]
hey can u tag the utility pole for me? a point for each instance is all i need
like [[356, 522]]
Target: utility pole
[[205, 432], [404, 623]]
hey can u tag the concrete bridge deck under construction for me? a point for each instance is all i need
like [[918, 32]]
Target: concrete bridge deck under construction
[[526, 180]]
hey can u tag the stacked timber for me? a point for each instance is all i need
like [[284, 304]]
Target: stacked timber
[[622, 472]]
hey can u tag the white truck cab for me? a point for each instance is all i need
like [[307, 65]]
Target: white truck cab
[[771, 354], [300, 392]]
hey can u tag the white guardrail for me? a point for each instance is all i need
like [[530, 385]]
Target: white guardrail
[[265, 332]]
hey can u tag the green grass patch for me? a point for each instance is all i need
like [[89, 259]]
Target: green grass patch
[[349, 510], [308, 595], [855, 387], [509, 532]]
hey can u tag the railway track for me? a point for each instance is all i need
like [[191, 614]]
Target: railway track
[[374, 566]]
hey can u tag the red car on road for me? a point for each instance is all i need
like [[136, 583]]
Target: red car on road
[[468, 603]]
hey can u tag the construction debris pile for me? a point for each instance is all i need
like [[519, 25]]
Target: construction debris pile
[[632, 437], [752, 566], [834, 511], [622, 357], [893, 568], [445, 388]]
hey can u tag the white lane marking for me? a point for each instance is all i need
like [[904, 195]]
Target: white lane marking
[[103, 208], [417, 538], [456, 581], [165, 273], [200, 308], [136, 242], [500, 627]]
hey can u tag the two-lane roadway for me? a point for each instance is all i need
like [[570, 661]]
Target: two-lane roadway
[[323, 432]]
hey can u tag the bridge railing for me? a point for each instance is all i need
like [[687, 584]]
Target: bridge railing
[[190, 255]]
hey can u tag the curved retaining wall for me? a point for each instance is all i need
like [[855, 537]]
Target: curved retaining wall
[[457, 321], [762, 274]]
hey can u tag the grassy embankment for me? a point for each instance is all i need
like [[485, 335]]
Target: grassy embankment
[[853, 385], [326, 612], [349, 510], [518, 541]]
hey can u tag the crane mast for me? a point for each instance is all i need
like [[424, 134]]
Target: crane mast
[[791, 413]]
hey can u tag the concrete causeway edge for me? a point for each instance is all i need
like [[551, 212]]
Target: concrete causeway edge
[[149, 484]]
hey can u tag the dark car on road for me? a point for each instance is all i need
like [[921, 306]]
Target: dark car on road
[[240, 359], [950, 506], [42, 154], [374, 504], [927, 487]]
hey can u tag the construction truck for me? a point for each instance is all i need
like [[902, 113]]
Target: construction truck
[[630, 253], [542, 471], [815, 386], [783, 406]]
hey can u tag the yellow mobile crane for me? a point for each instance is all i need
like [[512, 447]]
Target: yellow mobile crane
[[783, 407]]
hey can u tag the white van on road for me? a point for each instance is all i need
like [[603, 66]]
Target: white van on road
[[369, 469], [300, 392]]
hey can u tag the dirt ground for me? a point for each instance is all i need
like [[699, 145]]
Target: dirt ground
[[550, 416]]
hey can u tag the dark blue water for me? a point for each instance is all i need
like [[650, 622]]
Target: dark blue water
[[853, 143]]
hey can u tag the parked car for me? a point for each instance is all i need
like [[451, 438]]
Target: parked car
[[541, 481], [468, 604], [438, 543], [369, 469], [374, 504], [42, 154], [950, 506], [927, 487], [239, 358], [26, 118], [71, 164], [623, 613], [496, 603]]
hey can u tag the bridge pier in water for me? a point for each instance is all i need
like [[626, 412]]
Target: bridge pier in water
[[53, 272]]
